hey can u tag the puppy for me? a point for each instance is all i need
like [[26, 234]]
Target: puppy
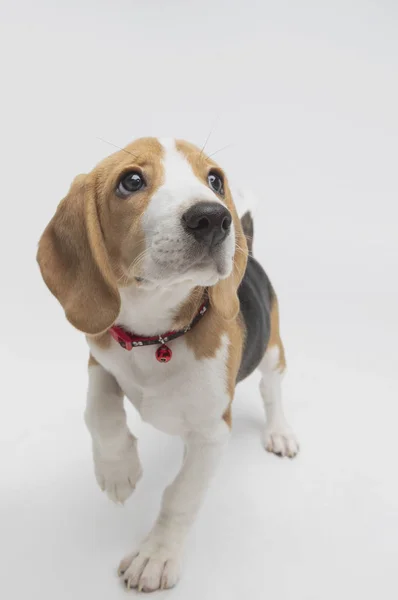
[[148, 258]]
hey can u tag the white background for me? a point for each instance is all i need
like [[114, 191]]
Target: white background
[[306, 93]]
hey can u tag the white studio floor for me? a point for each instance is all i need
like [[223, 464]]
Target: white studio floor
[[307, 96], [321, 526]]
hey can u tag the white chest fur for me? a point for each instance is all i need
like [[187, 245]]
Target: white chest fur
[[182, 395]]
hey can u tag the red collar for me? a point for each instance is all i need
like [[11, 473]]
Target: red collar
[[128, 340]]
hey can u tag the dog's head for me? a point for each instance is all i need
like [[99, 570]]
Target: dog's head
[[157, 213]]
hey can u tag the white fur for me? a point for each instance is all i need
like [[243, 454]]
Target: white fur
[[173, 255], [181, 396], [157, 563], [151, 311], [186, 397], [278, 436], [116, 462]]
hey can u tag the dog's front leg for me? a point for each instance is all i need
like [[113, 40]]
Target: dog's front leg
[[157, 563], [116, 461]]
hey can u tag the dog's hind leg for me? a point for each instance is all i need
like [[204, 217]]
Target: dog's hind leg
[[278, 436]]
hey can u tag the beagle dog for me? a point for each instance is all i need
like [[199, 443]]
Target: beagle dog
[[149, 259]]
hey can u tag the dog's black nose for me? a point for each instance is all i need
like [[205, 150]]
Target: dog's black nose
[[209, 222]]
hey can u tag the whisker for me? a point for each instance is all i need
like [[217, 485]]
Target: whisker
[[219, 150], [138, 261], [116, 146], [210, 133], [241, 272], [240, 249], [130, 269]]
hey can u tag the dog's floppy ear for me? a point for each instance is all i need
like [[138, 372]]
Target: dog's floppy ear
[[74, 262], [224, 295]]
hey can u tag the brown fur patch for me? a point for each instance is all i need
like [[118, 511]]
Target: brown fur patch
[[205, 340], [121, 217], [95, 237], [236, 338], [188, 309], [275, 338], [235, 349], [92, 362], [227, 416]]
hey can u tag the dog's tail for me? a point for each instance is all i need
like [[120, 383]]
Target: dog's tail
[[248, 229]]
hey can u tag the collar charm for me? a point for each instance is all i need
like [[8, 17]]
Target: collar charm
[[163, 353]]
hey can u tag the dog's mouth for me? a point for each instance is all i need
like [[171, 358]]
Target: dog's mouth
[[193, 263], [206, 271]]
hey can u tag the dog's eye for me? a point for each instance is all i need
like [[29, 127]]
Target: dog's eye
[[130, 183], [215, 182]]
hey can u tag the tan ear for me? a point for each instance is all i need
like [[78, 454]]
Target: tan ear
[[74, 262], [224, 295]]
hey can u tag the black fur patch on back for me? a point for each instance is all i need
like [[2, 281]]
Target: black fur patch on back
[[256, 297]]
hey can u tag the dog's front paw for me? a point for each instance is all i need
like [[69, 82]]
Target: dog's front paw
[[150, 569], [279, 439], [118, 475]]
